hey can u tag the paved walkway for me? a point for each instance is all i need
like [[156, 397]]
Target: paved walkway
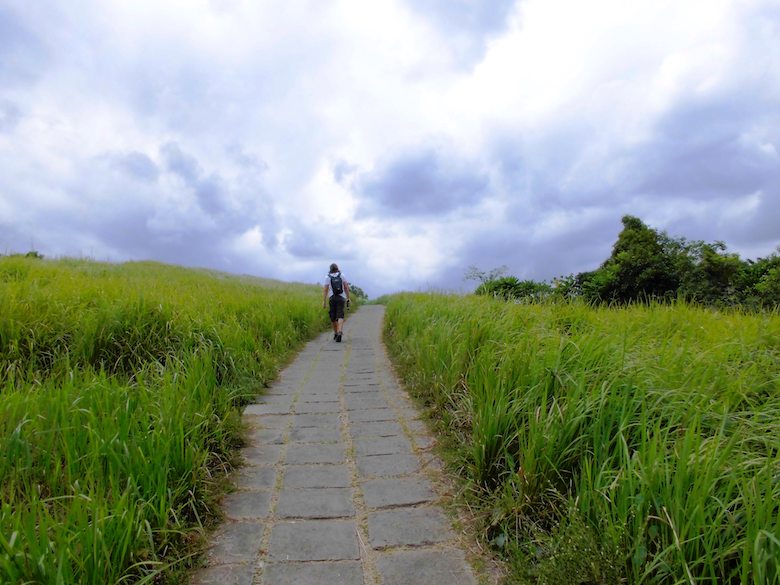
[[336, 489]]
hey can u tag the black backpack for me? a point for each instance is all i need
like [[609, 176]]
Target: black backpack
[[336, 284]]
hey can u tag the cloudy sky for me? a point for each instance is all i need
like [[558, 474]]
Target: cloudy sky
[[403, 139]]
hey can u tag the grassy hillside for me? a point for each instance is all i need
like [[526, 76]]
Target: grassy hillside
[[634, 445], [119, 388]]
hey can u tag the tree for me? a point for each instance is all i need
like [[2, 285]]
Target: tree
[[357, 292], [510, 288], [769, 287], [474, 273], [638, 267], [758, 282]]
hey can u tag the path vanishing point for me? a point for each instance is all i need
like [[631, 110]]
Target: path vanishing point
[[337, 487]]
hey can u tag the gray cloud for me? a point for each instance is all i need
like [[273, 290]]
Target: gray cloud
[[699, 173], [466, 15], [10, 114], [136, 165], [466, 24], [304, 243], [764, 227], [420, 184], [126, 209], [211, 194], [211, 191], [706, 151], [22, 52], [107, 113], [246, 160], [343, 172], [13, 238], [180, 163], [319, 241], [581, 241]]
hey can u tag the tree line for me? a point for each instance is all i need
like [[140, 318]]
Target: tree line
[[649, 264]]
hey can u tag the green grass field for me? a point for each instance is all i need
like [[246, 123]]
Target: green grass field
[[606, 445], [120, 388]]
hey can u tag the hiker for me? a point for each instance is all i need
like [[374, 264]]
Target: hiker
[[336, 293]]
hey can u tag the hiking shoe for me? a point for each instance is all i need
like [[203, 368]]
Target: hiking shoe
[[335, 336], [338, 337]]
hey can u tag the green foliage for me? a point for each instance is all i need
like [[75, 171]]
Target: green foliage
[[768, 286], [607, 445], [357, 292], [119, 395], [637, 268], [510, 288], [646, 264], [759, 282], [474, 273]]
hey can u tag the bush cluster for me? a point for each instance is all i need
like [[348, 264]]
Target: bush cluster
[[647, 264]]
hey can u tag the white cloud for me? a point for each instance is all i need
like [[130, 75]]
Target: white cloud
[[571, 114]]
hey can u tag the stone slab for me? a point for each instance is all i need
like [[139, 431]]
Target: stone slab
[[424, 442], [317, 476], [267, 436], [330, 398], [235, 542], [276, 399], [402, 491], [372, 415], [315, 407], [414, 567], [247, 505], [315, 503], [262, 454], [261, 408], [384, 428], [319, 397], [407, 527], [417, 427], [431, 461], [300, 453], [357, 402], [266, 421], [315, 435], [382, 445], [225, 575], [301, 421], [362, 390], [408, 413], [314, 573], [387, 465], [254, 478], [314, 540]]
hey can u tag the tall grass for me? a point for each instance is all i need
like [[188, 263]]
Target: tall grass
[[608, 445], [119, 388]]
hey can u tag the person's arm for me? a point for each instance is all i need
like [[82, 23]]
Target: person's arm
[[346, 289], [325, 296]]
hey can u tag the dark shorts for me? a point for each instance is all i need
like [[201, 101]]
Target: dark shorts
[[337, 307]]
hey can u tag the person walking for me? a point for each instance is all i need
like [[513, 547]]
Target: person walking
[[335, 295]]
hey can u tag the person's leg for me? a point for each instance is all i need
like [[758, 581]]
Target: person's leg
[[334, 321], [339, 302]]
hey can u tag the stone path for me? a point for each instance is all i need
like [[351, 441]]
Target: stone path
[[336, 488]]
